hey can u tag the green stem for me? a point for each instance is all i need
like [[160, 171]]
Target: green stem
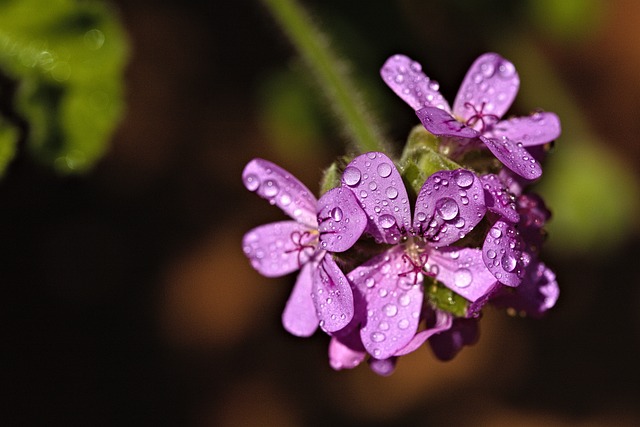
[[334, 82]]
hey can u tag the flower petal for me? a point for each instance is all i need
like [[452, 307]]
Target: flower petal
[[342, 220], [450, 204], [332, 296], [279, 248], [498, 199], [489, 88], [514, 156], [393, 303], [444, 321], [538, 128], [442, 123], [405, 77], [275, 184], [342, 356], [299, 316], [463, 332], [463, 271], [537, 293], [502, 253], [377, 184]]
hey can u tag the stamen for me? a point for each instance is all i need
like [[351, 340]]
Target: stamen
[[298, 239], [479, 116]]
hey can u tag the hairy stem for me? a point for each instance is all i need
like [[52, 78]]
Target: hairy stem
[[358, 124]]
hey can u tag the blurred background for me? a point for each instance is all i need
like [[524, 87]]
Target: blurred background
[[126, 298]]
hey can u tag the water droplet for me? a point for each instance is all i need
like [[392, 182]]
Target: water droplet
[[351, 176], [447, 208], [390, 310], [383, 292], [491, 254], [404, 300], [336, 214], [391, 193], [373, 186], [433, 85], [463, 178], [495, 233], [271, 188], [403, 324], [384, 170], [251, 182], [386, 221], [459, 223], [378, 337], [285, 199], [421, 216], [462, 277], [506, 70], [370, 282], [363, 194], [508, 262], [487, 69], [399, 78]]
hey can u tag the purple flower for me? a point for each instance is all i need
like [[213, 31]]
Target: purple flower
[[321, 296], [485, 95], [389, 287]]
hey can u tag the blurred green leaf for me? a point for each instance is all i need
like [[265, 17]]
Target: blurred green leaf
[[67, 59]]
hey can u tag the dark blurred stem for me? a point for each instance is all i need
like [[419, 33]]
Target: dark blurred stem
[[330, 73]]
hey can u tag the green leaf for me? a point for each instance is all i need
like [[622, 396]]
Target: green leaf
[[67, 59]]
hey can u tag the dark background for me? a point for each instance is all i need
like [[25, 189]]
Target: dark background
[[126, 299]]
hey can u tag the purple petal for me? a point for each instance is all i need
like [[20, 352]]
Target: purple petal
[[538, 128], [275, 184], [393, 303], [502, 253], [450, 204], [463, 271], [537, 293], [442, 123], [279, 248], [332, 296], [299, 316], [377, 184], [443, 322], [514, 156], [341, 356], [498, 199], [405, 77], [487, 91], [533, 215], [384, 367], [447, 344], [342, 220]]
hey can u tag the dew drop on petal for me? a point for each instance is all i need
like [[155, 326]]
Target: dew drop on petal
[[251, 182], [351, 176], [336, 214], [378, 337], [386, 221], [373, 186], [462, 277], [370, 282], [421, 216], [508, 262], [447, 208], [491, 254], [390, 310], [404, 300], [495, 233], [285, 199], [271, 188], [384, 170], [403, 324], [391, 193]]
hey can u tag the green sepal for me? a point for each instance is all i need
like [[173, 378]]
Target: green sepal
[[421, 158], [445, 299], [332, 175]]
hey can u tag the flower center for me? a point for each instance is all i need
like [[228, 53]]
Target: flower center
[[479, 116], [304, 243], [415, 259]]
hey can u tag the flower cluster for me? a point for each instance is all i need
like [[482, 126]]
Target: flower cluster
[[399, 254]]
